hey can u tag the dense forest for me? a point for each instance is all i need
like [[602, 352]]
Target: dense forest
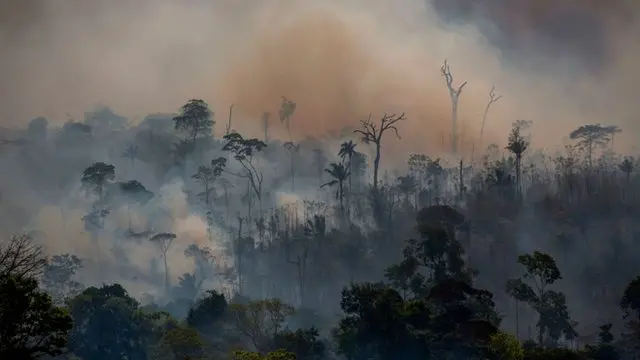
[[182, 244]]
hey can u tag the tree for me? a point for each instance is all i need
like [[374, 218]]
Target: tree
[[261, 320], [591, 137], [134, 192], [506, 346], [244, 151], [372, 133], [492, 100], [455, 96], [205, 314], [195, 119], [131, 152], [108, 324], [21, 257], [517, 145], [339, 175], [179, 343], [293, 149], [205, 176], [319, 161], [541, 271], [627, 166], [30, 325], [58, 277], [347, 152], [287, 108], [164, 241], [97, 176]]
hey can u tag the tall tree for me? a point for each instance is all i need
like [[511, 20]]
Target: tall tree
[[96, 178], [541, 272], [292, 149], [205, 176], [372, 133], [454, 94], [287, 108], [245, 151], [195, 119], [164, 240], [591, 137], [339, 174], [493, 98], [347, 151], [517, 145]]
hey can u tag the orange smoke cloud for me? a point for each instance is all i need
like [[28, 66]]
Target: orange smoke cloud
[[337, 73]]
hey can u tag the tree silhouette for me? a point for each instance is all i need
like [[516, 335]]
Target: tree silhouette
[[244, 151], [541, 271], [164, 240], [21, 257], [134, 192], [591, 137], [517, 145], [339, 175], [287, 108], [30, 325], [97, 176], [372, 133], [454, 93], [627, 166], [347, 152], [292, 149], [493, 98], [195, 119]]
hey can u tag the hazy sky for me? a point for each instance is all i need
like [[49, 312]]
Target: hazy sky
[[339, 60]]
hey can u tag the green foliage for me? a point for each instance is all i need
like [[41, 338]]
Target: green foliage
[[195, 119], [274, 355], [179, 343], [30, 325], [260, 321], [505, 346], [541, 271], [108, 324]]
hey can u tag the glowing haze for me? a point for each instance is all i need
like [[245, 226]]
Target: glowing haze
[[338, 60]]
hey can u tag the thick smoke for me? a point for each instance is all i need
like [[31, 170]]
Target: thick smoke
[[339, 60]]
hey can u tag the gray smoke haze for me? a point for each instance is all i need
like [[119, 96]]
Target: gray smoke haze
[[339, 60]]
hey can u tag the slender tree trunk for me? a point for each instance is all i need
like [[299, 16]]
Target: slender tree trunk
[[454, 126], [376, 166], [166, 273]]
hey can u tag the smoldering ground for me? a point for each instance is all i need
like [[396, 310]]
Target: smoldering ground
[[339, 60]]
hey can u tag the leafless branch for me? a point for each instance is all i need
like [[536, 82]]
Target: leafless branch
[[21, 257]]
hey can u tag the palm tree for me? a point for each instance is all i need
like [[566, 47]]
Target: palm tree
[[517, 146], [347, 151], [339, 173]]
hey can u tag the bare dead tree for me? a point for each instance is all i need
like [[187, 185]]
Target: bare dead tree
[[372, 133], [455, 96], [21, 257], [493, 98]]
